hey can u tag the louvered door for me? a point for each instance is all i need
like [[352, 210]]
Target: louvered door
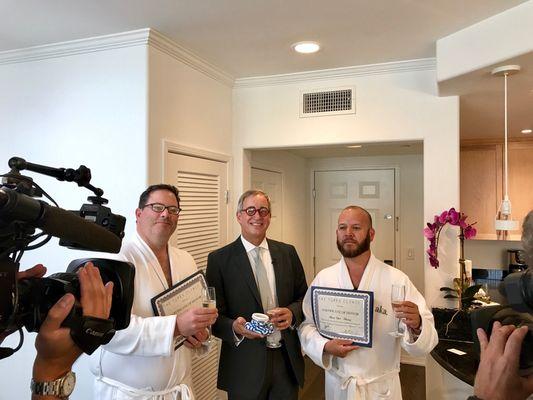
[[202, 228]]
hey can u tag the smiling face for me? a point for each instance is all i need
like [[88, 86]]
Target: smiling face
[[253, 228], [156, 228], [354, 233]]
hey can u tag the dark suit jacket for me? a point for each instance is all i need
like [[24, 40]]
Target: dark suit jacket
[[242, 368]]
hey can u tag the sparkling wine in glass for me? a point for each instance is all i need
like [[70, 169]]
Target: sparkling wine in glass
[[397, 297], [272, 340], [209, 301]]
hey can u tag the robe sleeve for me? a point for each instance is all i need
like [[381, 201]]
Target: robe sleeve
[[313, 342], [428, 337], [151, 336]]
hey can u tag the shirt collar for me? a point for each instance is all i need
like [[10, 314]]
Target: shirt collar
[[249, 246]]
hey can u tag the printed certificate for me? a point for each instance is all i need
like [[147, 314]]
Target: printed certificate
[[182, 296], [343, 314]]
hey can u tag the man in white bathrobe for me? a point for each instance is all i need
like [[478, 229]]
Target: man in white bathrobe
[[140, 362], [353, 372]]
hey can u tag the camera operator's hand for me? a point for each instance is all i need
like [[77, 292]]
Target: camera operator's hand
[[56, 352], [497, 376]]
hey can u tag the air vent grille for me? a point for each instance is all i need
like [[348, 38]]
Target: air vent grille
[[326, 102]]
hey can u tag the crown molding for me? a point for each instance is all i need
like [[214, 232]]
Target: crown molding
[[140, 37], [168, 46], [339, 73], [73, 47]]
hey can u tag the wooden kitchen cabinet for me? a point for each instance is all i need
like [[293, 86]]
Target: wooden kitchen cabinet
[[481, 186], [481, 174]]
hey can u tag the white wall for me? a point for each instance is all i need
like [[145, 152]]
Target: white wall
[[490, 254], [186, 107], [411, 204], [493, 40], [296, 223], [81, 109], [389, 107]]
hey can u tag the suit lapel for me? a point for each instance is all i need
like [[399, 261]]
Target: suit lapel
[[275, 254], [245, 269]]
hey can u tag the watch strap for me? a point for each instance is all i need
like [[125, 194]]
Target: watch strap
[[54, 388]]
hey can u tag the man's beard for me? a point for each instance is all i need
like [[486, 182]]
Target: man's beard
[[359, 248]]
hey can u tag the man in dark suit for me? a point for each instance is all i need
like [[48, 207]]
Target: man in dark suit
[[258, 275]]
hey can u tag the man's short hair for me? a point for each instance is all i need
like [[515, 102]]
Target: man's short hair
[[143, 199], [355, 208], [251, 192]]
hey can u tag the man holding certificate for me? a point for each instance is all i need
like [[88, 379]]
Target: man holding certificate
[[142, 361], [254, 276], [351, 328]]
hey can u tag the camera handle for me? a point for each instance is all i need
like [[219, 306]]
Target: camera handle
[[81, 176]]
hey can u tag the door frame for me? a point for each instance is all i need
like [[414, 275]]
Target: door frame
[[270, 168], [396, 168], [171, 147]]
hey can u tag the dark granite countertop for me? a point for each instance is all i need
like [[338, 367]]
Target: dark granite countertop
[[464, 366]]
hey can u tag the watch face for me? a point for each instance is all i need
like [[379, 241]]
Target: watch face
[[69, 383]]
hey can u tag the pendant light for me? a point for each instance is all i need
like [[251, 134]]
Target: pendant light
[[504, 221]]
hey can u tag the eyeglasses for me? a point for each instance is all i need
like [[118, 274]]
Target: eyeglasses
[[250, 211], [159, 208]]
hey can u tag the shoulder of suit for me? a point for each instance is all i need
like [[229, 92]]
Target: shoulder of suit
[[278, 244], [227, 248]]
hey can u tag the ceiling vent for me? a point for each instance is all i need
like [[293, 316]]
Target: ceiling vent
[[327, 102]]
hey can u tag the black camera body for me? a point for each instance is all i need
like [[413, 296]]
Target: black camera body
[[517, 288], [37, 296], [101, 216], [27, 223]]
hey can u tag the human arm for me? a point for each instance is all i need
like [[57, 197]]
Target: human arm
[[229, 327], [320, 349], [418, 342], [298, 289], [497, 377], [56, 352]]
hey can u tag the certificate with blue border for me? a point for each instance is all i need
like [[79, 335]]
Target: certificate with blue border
[[343, 314]]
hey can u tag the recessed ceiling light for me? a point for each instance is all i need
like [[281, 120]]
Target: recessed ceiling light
[[355, 146], [526, 131], [306, 47]]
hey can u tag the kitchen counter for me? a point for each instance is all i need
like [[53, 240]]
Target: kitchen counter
[[464, 366]]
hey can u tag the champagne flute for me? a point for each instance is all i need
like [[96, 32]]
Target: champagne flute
[[209, 301], [272, 340], [397, 296]]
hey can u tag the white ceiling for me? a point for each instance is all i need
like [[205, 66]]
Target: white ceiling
[[253, 37]]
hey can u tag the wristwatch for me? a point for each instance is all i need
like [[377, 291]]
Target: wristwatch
[[61, 387]]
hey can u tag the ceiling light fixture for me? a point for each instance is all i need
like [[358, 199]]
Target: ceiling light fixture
[[306, 47], [526, 131], [504, 221], [355, 146]]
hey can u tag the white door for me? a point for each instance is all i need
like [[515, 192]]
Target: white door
[[270, 182], [373, 190], [202, 183], [202, 228]]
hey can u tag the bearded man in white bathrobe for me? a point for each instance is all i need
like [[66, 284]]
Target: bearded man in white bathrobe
[[140, 362], [353, 372]]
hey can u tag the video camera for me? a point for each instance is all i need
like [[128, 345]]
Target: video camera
[[26, 302], [517, 288]]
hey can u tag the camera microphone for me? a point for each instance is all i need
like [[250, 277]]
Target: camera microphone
[[56, 221]]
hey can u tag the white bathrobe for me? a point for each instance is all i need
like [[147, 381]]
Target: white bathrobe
[[140, 361], [368, 373]]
